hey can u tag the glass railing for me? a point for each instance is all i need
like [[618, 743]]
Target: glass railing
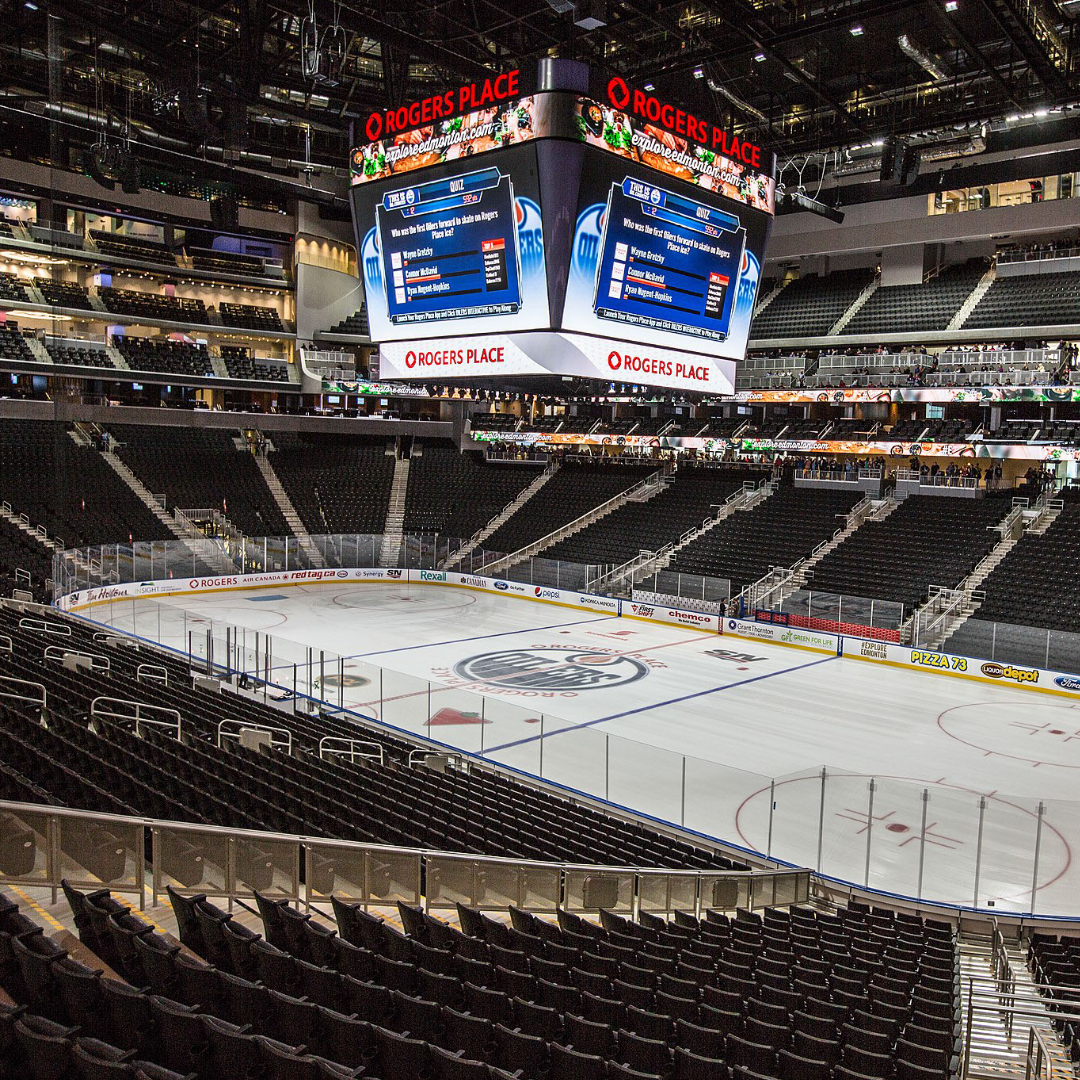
[[43, 846]]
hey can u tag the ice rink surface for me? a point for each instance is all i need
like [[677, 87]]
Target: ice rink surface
[[693, 728]]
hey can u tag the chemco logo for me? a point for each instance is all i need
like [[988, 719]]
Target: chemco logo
[[553, 668]]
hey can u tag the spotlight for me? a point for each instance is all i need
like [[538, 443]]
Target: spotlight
[[856, 31], [699, 73]]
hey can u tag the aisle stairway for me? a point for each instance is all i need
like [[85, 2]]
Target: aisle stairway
[[395, 514], [288, 511], [508, 511], [996, 1040], [623, 579], [202, 550]]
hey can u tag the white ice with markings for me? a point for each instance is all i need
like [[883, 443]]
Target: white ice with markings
[[692, 728]]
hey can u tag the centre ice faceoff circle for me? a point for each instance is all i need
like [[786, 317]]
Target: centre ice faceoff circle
[[554, 668]]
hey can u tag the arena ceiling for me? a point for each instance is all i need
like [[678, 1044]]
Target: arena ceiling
[[198, 86]]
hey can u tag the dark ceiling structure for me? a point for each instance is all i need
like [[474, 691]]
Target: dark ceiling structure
[[219, 92]]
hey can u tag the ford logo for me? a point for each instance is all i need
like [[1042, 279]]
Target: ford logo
[[1066, 682]]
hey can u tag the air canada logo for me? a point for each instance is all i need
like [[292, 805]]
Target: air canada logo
[[554, 668]]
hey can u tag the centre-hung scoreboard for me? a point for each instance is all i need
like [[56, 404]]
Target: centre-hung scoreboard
[[581, 228]]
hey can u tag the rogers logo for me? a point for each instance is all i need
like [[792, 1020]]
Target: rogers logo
[[618, 93], [614, 360], [410, 359], [373, 128]]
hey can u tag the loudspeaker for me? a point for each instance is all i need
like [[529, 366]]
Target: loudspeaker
[[91, 163], [225, 213], [129, 174], [888, 159], [906, 167]]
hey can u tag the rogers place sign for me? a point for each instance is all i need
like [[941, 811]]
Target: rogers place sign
[[631, 363], [651, 108]]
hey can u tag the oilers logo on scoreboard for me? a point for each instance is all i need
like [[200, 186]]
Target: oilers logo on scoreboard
[[749, 275]]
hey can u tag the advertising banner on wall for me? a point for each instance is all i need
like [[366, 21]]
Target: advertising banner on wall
[[897, 450]]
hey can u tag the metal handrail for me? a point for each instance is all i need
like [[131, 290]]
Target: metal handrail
[[59, 652], [1038, 1056], [5, 643], [8, 679], [152, 673], [354, 748], [654, 479], [137, 716], [45, 627], [244, 725]]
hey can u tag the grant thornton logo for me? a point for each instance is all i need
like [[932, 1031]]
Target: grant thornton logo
[[553, 668]]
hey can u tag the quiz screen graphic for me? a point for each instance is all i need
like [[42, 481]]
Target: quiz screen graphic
[[456, 248], [450, 248], [667, 262], [659, 263]]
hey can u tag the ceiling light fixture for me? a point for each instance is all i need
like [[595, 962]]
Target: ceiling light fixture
[[856, 31]]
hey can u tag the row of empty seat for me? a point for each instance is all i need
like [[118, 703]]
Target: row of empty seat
[[780, 530], [928, 540]]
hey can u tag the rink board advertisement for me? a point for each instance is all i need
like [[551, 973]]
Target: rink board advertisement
[[939, 663]]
